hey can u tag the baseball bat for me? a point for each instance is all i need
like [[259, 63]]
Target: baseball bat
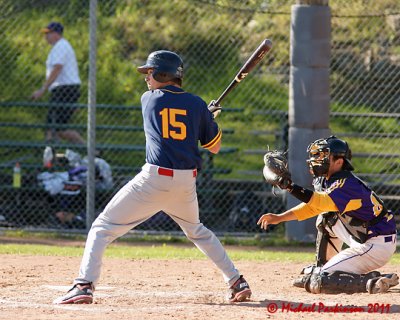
[[264, 47]]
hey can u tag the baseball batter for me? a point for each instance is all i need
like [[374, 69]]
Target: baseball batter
[[349, 212], [174, 123]]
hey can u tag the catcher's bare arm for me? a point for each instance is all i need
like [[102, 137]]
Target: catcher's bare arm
[[272, 218], [318, 203]]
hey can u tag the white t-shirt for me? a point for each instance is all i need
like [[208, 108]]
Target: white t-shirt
[[63, 53]]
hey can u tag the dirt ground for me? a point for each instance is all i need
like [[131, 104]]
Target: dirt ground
[[176, 289]]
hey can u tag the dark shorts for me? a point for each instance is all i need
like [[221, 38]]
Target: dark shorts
[[63, 95]]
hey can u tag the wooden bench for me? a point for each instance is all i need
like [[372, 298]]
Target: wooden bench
[[115, 147], [384, 135], [81, 127], [387, 177], [45, 105], [11, 144], [365, 115], [355, 155]]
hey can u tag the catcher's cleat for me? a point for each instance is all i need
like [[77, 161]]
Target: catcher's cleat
[[79, 293], [382, 284], [301, 281], [305, 275], [239, 291]]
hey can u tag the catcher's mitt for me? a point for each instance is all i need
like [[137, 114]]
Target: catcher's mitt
[[276, 170]]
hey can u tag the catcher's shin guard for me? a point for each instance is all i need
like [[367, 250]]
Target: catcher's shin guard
[[327, 244], [339, 282]]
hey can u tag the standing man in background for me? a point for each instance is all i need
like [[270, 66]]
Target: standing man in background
[[63, 83]]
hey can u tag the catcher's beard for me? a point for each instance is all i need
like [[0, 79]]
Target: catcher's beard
[[319, 169]]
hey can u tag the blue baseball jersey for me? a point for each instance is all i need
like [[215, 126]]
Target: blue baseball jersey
[[174, 123], [355, 199]]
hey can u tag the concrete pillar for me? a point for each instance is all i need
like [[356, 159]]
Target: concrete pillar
[[308, 96]]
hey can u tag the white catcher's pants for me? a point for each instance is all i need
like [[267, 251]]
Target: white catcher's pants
[[145, 195], [360, 258]]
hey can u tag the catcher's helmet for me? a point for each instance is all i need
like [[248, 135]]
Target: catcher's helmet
[[320, 150], [166, 65]]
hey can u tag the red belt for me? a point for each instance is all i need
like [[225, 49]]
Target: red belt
[[170, 172]]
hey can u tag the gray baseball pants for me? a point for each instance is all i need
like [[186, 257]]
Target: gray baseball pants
[[142, 197]]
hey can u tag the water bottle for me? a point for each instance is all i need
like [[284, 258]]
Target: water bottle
[[17, 176], [48, 157]]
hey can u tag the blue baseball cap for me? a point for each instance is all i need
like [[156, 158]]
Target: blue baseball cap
[[53, 27]]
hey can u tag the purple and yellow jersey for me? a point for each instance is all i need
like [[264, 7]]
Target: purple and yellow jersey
[[174, 122], [348, 195], [353, 198]]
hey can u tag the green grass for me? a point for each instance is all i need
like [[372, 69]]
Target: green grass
[[166, 251], [159, 251], [264, 240]]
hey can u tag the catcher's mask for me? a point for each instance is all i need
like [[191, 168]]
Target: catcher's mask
[[320, 150], [166, 65]]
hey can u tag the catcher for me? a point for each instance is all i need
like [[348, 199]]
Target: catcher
[[348, 212]]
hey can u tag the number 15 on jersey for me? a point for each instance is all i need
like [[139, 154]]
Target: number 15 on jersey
[[168, 119]]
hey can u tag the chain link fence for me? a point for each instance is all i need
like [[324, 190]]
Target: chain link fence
[[214, 38], [365, 90]]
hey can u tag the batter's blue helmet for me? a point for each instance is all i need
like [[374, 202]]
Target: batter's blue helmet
[[166, 65]]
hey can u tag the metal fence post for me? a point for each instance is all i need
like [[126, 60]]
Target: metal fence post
[[91, 128]]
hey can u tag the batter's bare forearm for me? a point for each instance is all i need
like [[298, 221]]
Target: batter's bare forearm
[[215, 149]]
